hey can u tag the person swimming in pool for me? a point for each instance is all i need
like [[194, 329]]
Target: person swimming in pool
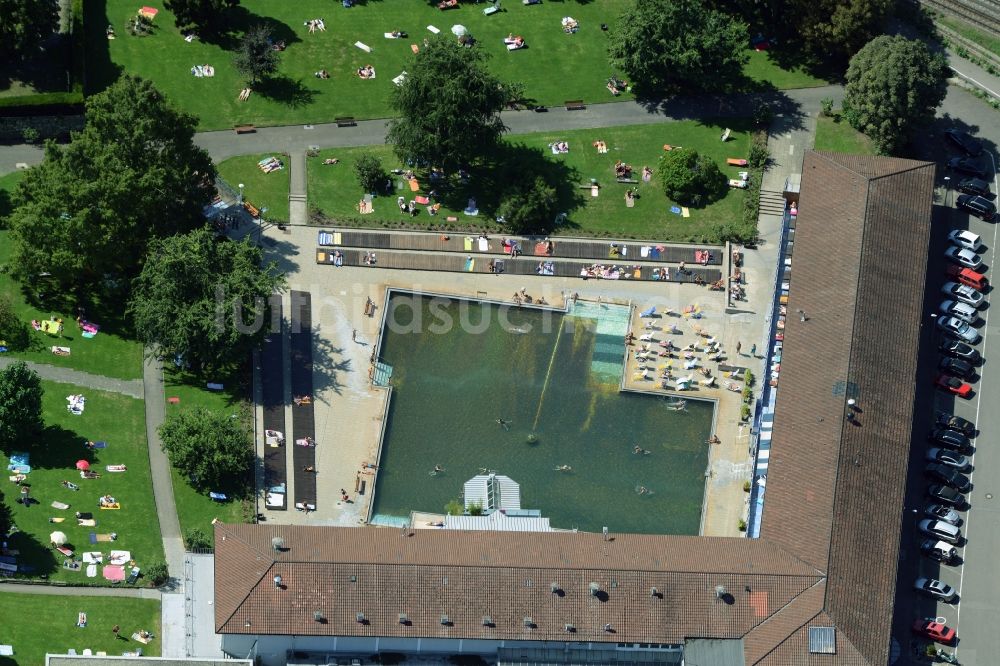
[[503, 424]]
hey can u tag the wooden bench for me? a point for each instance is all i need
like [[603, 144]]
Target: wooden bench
[[346, 121], [244, 129], [250, 208], [575, 105]]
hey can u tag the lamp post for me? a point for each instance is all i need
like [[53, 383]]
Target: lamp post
[[947, 190], [241, 193], [260, 224]]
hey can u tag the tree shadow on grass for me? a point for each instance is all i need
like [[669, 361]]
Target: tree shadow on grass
[[286, 90], [105, 307], [508, 169], [239, 20], [100, 70]]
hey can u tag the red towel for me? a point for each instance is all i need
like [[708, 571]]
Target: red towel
[[422, 200]]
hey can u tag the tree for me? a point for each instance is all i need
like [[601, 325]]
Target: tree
[[133, 173], [214, 451], [204, 299], [666, 46], [528, 207], [255, 58], [690, 178], [195, 539], [894, 85], [206, 15], [25, 25], [371, 173], [448, 107], [156, 573], [14, 332], [838, 27], [20, 404]]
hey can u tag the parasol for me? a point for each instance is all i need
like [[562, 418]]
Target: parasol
[[82, 465], [58, 538]]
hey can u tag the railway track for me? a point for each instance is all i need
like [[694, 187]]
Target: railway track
[[983, 13]]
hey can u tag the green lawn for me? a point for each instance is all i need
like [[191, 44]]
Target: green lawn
[[36, 624], [837, 136], [110, 417], [554, 67], [195, 510], [762, 69], [108, 353], [334, 188], [261, 189], [987, 41]]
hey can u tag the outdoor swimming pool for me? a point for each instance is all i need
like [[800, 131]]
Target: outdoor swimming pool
[[549, 375]]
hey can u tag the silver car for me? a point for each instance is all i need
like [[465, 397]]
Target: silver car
[[932, 587], [942, 512], [965, 239], [941, 530], [958, 329], [964, 257], [964, 294], [963, 311]]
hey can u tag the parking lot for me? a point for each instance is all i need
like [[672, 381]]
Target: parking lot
[[975, 612]]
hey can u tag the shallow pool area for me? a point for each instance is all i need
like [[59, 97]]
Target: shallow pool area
[[552, 380]]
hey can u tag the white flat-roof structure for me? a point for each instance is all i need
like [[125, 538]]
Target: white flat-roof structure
[[498, 521], [492, 492]]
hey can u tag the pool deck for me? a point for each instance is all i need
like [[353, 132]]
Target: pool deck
[[349, 412]]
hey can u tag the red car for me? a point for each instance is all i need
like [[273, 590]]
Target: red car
[[953, 385], [934, 631]]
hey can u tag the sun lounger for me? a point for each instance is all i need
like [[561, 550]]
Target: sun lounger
[[433, 29], [364, 47], [218, 497], [133, 576], [115, 468], [62, 506], [733, 161]]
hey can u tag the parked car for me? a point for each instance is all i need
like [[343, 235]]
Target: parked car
[[964, 293], [948, 495], [932, 587], [967, 276], [963, 311], [968, 166], [952, 422], [959, 349], [958, 329], [934, 630], [976, 186], [957, 368], [950, 439], [942, 551], [946, 513], [981, 207], [964, 142], [965, 258], [948, 458], [941, 530], [949, 476], [954, 385], [965, 239]]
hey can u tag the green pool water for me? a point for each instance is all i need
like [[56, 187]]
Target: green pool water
[[550, 375]]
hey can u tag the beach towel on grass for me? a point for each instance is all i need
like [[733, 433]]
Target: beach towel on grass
[[60, 505], [91, 571]]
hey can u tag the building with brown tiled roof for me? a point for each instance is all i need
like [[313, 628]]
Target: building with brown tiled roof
[[817, 587]]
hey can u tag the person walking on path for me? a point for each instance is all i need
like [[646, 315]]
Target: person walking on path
[[739, 346], [753, 350], [354, 335]]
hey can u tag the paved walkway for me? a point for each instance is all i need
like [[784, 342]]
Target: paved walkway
[[129, 387], [70, 591]]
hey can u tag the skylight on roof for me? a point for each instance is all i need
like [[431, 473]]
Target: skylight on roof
[[822, 640]]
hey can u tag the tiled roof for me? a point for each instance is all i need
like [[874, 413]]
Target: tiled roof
[[830, 531], [426, 574], [859, 261]]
